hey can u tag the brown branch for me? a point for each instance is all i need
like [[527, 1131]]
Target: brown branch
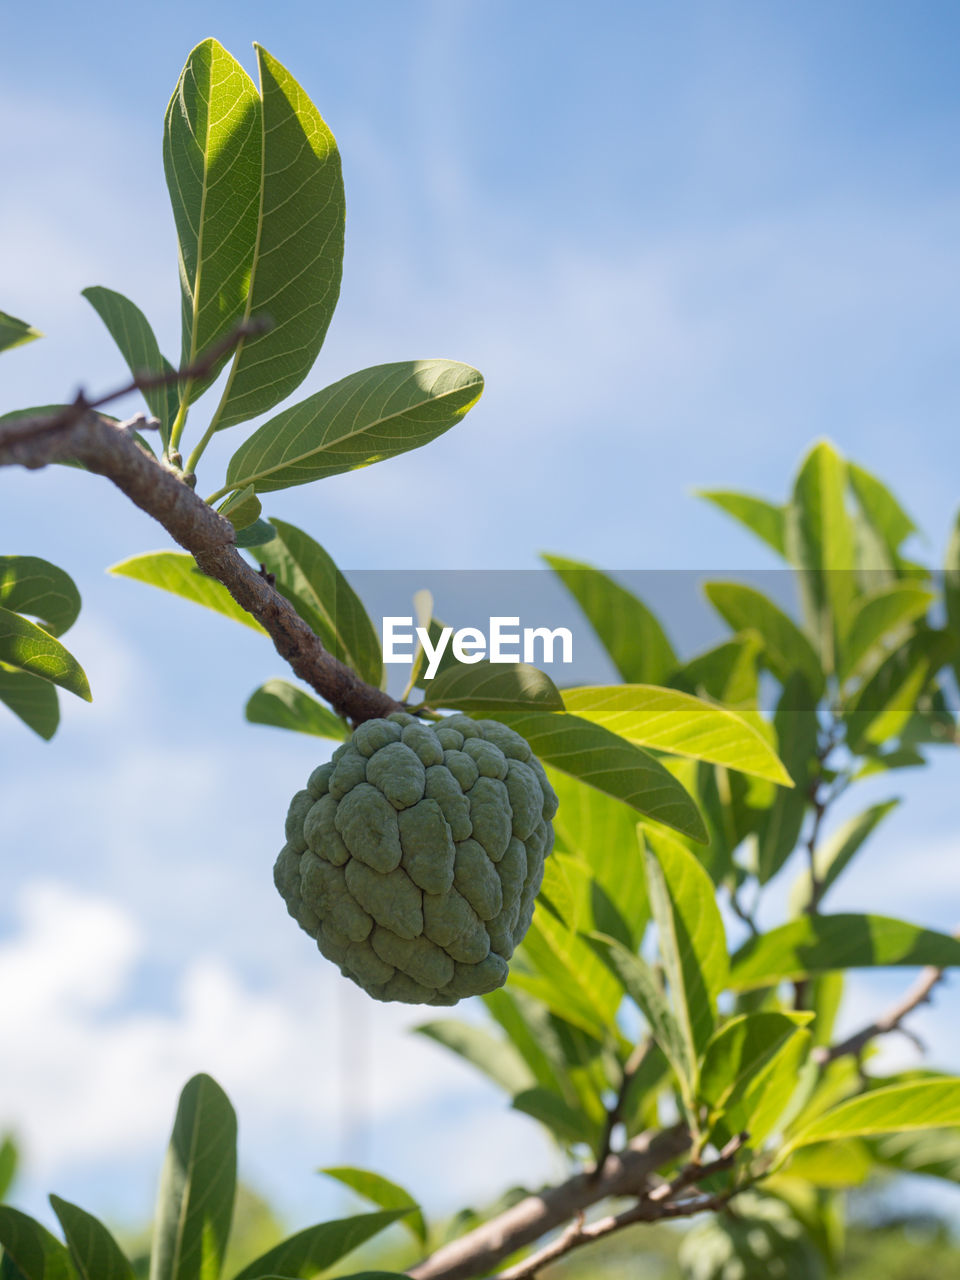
[[624, 1174], [109, 449]]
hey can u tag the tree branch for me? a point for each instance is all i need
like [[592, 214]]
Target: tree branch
[[624, 1174], [108, 449]]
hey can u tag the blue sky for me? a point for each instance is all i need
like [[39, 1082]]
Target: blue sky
[[681, 242]]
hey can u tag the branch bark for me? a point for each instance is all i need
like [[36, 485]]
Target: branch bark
[[484, 1248], [109, 449]]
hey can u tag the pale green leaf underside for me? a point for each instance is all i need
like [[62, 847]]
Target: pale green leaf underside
[[283, 706], [923, 1104], [761, 517], [177, 572], [498, 1060], [364, 418], [41, 590], [667, 720], [27, 647], [136, 342], [485, 686]]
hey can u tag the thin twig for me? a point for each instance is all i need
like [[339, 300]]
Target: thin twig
[[615, 1113]]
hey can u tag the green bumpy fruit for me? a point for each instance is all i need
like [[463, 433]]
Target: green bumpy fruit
[[414, 856]]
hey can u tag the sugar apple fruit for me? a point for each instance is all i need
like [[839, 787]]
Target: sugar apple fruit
[[414, 856]]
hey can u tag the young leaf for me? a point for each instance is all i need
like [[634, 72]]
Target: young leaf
[[881, 508], [815, 944], [298, 253], [666, 720], [38, 588], [95, 1253], [257, 534], [31, 698], [690, 935], [568, 1124], [316, 1248], [242, 508], [835, 853], [924, 1104], [786, 649], [284, 706], [177, 572], [627, 629], [14, 332], [796, 726], [382, 1192], [33, 1252], [530, 1030], [612, 765], [307, 576], [765, 1098], [585, 992], [882, 707], [488, 686], [875, 616], [726, 673], [763, 518], [26, 647], [197, 1186], [131, 331], [211, 158], [740, 1050], [498, 1060], [364, 418]]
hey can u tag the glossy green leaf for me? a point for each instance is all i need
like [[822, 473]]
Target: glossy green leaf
[[364, 418], [26, 647], [796, 726], [609, 763], [31, 698], [765, 519], [95, 1253], [584, 990], [765, 1100], [212, 161], [880, 507], [488, 686], [881, 709], [242, 508], [667, 720], [14, 332], [836, 852], [727, 672], [690, 935], [925, 1104], [875, 616], [627, 629], [316, 1248], [740, 1050], [307, 576], [786, 649], [177, 572], [135, 339], [197, 1186], [567, 1123], [298, 254], [284, 706], [31, 1249], [819, 943], [41, 590], [494, 1057], [382, 1192]]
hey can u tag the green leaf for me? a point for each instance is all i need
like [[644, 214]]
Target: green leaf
[[31, 698], [242, 508], [95, 1253], [612, 765], [9, 1159], [875, 616], [211, 158], [364, 418], [498, 1060], [31, 1249], [951, 589], [819, 943], [38, 588], [835, 853], [581, 989], [925, 1104], [726, 673], [690, 935], [646, 991], [820, 542], [786, 649], [14, 332], [382, 1192], [197, 1186], [487, 686], [316, 1248], [627, 629], [881, 709], [760, 1107], [257, 534], [307, 576], [131, 331], [26, 647], [528, 1027], [796, 727], [284, 706], [567, 1123], [177, 572], [666, 720], [740, 1050], [763, 518], [934, 1152], [298, 255], [880, 507], [847, 1163]]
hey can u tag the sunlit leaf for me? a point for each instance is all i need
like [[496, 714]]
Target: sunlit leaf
[[765, 519], [489, 686], [316, 1248], [41, 590], [382, 1192], [26, 647], [284, 706], [836, 852], [177, 572]]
